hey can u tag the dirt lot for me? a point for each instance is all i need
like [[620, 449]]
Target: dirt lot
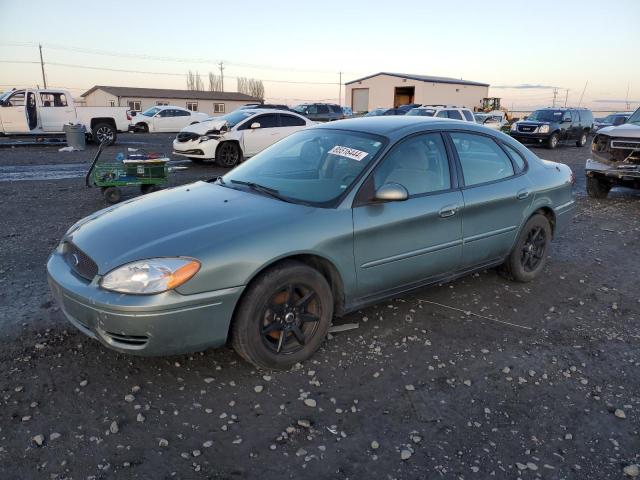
[[453, 394]]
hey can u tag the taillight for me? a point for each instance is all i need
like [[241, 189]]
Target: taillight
[[573, 178], [129, 117]]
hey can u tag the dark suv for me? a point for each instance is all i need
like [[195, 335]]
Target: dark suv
[[553, 125], [320, 112]]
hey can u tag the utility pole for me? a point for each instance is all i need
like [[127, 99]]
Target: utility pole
[[626, 99], [221, 75], [566, 97], [555, 94], [340, 89], [44, 79]]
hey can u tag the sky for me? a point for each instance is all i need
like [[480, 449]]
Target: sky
[[298, 48]]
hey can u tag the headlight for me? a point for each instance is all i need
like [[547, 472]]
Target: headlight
[[543, 129], [514, 127], [154, 275]]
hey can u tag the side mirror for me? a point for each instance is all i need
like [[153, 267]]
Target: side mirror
[[391, 192], [255, 125]]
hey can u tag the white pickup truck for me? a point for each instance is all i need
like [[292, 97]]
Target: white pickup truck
[[44, 112]]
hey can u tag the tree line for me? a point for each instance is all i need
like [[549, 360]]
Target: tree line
[[248, 86]]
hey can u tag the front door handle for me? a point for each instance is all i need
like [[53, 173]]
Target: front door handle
[[448, 211], [522, 194]]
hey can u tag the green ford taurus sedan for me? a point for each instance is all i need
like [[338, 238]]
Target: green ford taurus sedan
[[324, 222]]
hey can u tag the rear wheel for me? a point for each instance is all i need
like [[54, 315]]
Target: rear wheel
[[104, 133], [582, 140], [283, 317], [553, 141], [228, 155], [142, 127], [596, 188], [529, 256], [112, 194]]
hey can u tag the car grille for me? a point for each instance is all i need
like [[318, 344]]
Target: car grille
[[79, 261], [127, 341], [527, 128], [186, 136], [193, 151], [623, 143]]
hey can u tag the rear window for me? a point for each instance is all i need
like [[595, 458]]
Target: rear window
[[468, 115], [455, 114]]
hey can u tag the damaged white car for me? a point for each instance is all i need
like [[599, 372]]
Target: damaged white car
[[615, 158], [229, 139]]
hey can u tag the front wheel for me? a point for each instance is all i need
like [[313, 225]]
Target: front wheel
[[104, 133], [596, 188], [228, 155], [553, 141], [283, 317], [112, 194], [582, 140], [529, 256]]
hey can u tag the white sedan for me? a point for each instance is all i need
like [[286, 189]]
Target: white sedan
[[166, 119], [238, 135]]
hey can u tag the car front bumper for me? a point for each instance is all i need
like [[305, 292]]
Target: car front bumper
[[530, 137], [613, 170], [164, 324], [196, 149]]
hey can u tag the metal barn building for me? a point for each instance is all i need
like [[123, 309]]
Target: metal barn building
[[387, 90]]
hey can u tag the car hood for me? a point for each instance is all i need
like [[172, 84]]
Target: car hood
[[183, 221], [628, 130], [204, 127]]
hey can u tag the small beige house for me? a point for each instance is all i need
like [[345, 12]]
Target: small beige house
[[140, 99], [388, 90]]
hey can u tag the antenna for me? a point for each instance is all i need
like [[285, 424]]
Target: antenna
[[583, 90]]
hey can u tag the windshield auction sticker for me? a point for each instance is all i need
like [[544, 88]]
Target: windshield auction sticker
[[347, 152]]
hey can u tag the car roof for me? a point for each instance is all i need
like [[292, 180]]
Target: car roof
[[400, 125], [271, 110]]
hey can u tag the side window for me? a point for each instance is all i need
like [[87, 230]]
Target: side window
[[53, 99], [323, 109], [291, 121], [566, 116], [165, 113], [442, 114], [182, 113], [575, 118], [336, 109], [419, 164], [455, 114], [312, 109], [481, 158], [16, 100], [468, 115], [266, 121], [517, 158]]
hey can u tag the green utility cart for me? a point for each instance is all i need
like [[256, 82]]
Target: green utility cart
[[149, 171]]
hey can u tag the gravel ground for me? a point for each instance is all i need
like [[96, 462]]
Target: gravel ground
[[417, 391]]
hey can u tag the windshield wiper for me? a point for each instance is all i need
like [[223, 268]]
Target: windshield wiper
[[272, 192]]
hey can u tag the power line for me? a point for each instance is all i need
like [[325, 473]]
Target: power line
[[120, 70]]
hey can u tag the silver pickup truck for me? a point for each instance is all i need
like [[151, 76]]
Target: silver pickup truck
[[615, 158], [44, 112]]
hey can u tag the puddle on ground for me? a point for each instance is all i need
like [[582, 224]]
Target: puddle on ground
[[16, 173]]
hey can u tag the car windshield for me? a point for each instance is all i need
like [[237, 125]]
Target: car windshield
[[314, 166], [422, 112], [234, 117], [480, 117], [5, 95], [376, 113], [151, 112], [635, 118], [546, 116]]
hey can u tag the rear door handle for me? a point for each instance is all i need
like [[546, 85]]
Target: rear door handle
[[522, 194], [448, 211]]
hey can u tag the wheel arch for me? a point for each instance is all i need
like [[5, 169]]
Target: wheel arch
[[323, 265], [108, 120], [548, 212]]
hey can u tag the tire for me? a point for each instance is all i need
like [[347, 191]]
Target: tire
[[582, 140], [112, 195], [228, 155], [270, 333], [529, 255], [552, 143], [104, 133], [142, 128], [596, 188]]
